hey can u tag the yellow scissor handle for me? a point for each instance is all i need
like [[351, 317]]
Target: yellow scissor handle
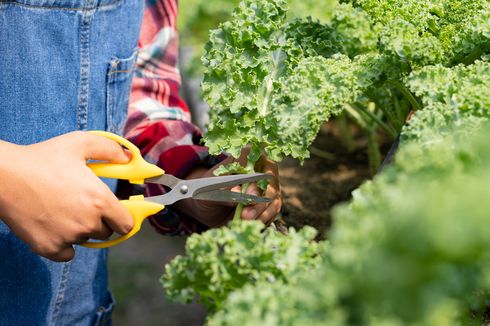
[[140, 210], [136, 171]]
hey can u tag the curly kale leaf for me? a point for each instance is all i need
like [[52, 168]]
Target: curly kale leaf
[[349, 31], [472, 37], [401, 38], [265, 90], [452, 97], [223, 260], [431, 32], [465, 88]]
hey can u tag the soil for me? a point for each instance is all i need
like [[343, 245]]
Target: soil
[[312, 189]]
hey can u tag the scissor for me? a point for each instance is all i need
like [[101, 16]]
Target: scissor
[[139, 171]]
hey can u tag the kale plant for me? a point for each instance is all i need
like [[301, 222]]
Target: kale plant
[[411, 247], [223, 260]]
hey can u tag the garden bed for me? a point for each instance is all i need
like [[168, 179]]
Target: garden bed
[[311, 190]]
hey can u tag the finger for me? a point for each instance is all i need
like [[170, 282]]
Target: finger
[[116, 216], [272, 191], [81, 240], [128, 153], [274, 207], [236, 189], [103, 232], [100, 148], [251, 212], [253, 189], [226, 161], [65, 254], [271, 211], [243, 158], [271, 167], [266, 212], [226, 203]]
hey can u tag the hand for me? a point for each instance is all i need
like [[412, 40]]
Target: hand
[[50, 198], [214, 214]]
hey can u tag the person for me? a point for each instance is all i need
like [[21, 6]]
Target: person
[[66, 67]]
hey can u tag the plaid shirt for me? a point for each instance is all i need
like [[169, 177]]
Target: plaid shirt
[[159, 121]]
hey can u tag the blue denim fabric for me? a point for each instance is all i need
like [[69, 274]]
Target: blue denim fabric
[[64, 65]]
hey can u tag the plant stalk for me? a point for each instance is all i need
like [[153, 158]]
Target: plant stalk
[[239, 207], [400, 113], [321, 153], [356, 117], [250, 167], [472, 56], [404, 90], [377, 120], [345, 134], [374, 156]]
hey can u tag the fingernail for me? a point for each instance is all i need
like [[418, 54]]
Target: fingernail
[[128, 152]]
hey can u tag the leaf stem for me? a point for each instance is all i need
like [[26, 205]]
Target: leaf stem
[[239, 207], [371, 115], [356, 117], [374, 156], [400, 113], [392, 119], [322, 153], [250, 167], [404, 90], [345, 134], [472, 56]]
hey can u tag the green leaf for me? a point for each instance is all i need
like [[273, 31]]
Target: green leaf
[[269, 84], [223, 260]]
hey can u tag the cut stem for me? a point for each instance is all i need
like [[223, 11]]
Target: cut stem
[[239, 207], [250, 167]]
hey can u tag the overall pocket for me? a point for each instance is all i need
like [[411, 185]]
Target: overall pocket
[[119, 77]]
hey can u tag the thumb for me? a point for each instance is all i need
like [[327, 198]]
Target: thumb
[[103, 149]]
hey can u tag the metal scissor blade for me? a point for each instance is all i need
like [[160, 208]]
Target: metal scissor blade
[[230, 196], [164, 179], [209, 183], [182, 189], [213, 183]]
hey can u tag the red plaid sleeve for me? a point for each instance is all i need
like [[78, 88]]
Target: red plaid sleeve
[[159, 122]]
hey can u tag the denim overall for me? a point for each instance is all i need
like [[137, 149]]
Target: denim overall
[[64, 65]]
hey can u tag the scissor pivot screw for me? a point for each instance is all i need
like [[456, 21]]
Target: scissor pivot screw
[[184, 189]]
